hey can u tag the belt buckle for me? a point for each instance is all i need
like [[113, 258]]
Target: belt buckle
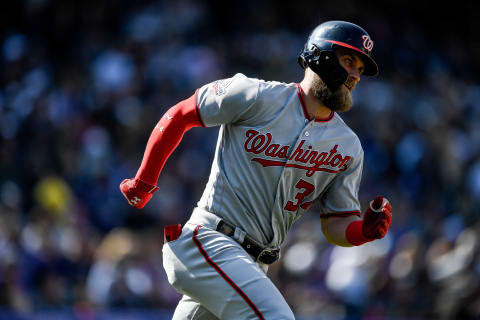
[[268, 256]]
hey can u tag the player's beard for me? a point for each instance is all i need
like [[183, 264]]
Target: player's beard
[[339, 100]]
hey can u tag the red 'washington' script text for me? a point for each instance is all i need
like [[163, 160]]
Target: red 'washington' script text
[[258, 143]]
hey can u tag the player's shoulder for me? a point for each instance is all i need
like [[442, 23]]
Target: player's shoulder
[[263, 84], [346, 129], [268, 92], [239, 81], [236, 87], [276, 86], [242, 77], [348, 134], [272, 93]]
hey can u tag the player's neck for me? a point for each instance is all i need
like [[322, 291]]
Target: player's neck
[[315, 108]]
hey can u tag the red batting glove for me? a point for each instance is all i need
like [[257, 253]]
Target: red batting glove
[[137, 192], [377, 218]]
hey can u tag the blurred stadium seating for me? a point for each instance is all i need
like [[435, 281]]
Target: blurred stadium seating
[[84, 82]]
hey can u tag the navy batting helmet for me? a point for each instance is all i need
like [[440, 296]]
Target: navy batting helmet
[[319, 56]]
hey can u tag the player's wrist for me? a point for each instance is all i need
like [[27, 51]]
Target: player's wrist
[[377, 218], [354, 233], [137, 191], [143, 186]]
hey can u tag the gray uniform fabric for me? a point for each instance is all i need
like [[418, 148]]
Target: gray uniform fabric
[[217, 277], [271, 164], [266, 145]]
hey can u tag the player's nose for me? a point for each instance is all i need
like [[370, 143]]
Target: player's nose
[[354, 74]]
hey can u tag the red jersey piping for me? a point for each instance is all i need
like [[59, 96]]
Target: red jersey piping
[[300, 97], [304, 107], [225, 276], [341, 214]]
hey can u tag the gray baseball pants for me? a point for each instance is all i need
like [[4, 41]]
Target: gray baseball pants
[[217, 277]]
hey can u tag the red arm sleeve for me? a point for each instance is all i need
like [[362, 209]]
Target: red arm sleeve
[[166, 136]]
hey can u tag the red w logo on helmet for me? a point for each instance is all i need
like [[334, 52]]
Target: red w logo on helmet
[[367, 43]]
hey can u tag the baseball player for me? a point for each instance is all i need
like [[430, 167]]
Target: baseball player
[[281, 147]]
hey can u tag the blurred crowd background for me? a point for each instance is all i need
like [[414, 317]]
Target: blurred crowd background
[[83, 83]]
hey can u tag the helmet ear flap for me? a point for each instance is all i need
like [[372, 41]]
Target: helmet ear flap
[[301, 61], [325, 63]]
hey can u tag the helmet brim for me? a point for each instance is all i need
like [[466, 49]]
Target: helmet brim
[[371, 68]]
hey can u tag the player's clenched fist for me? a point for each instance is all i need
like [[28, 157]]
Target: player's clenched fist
[[377, 218], [137, 192]]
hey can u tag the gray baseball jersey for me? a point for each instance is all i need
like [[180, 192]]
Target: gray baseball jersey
[[272, 161]]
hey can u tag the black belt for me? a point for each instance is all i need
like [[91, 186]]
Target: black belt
[[256, 250]]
